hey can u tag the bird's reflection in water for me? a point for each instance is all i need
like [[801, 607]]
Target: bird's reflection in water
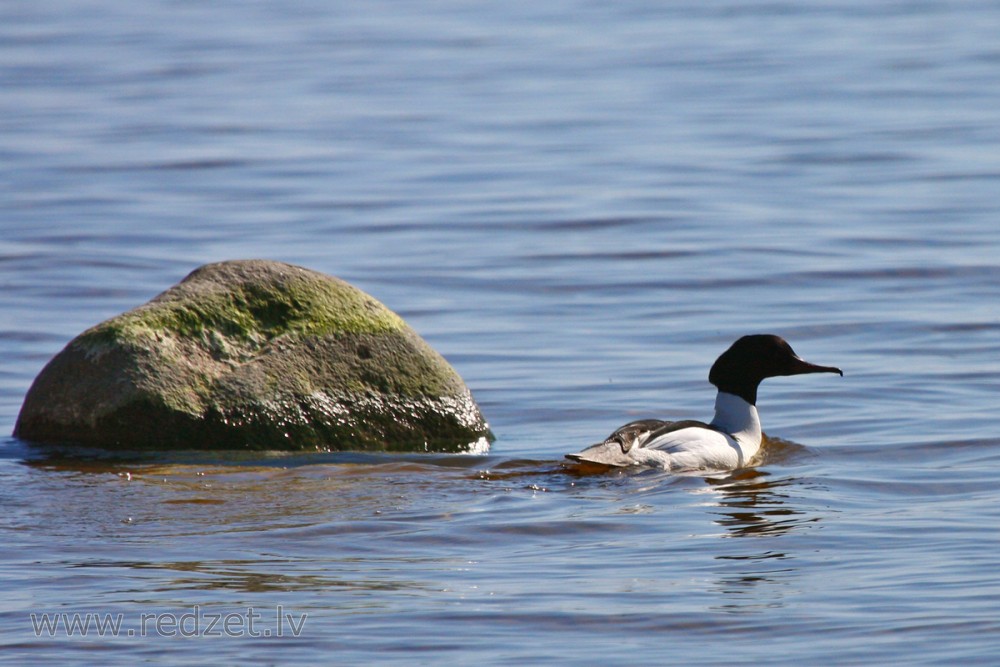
[[755, 575], [753, 503]]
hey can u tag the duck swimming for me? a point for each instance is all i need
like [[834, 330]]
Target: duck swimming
[[732, 438]]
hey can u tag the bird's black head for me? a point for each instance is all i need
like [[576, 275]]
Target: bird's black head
[[751, 359]]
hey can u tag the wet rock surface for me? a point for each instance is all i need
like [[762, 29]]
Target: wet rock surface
[[254, 354]]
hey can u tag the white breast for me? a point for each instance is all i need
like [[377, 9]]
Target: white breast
[[692, 449], [732, 446]]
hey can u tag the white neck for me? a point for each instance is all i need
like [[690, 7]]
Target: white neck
[[735, 416]]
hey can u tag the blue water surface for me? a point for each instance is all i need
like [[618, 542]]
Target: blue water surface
[[580, 205]]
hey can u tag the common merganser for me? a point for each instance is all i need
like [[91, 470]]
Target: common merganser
[[733, 437]]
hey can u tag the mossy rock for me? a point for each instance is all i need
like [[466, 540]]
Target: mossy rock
[[254, 354]]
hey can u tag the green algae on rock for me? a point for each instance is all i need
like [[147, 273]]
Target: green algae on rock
[[254, 354]]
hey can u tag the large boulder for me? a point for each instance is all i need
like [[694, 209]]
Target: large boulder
[[258, 355]]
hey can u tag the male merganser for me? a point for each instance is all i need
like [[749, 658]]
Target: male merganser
[[732, 438]]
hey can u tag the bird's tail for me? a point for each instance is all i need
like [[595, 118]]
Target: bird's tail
[[607, 453]]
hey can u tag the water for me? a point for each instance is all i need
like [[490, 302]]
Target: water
[[580, 205]]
